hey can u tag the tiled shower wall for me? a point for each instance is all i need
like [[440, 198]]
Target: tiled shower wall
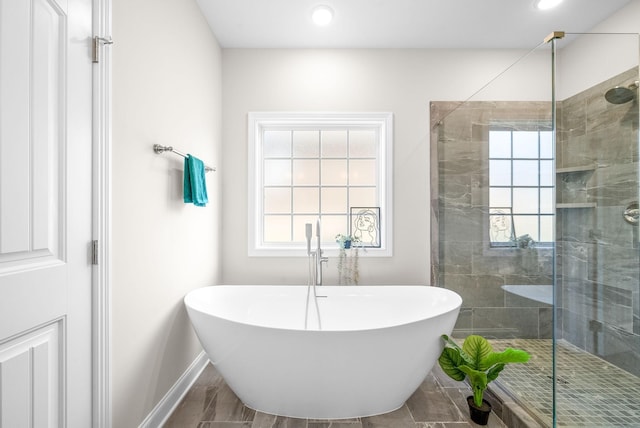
[[461, 258], [598, 254]]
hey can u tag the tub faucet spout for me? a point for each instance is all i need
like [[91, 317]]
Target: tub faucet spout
[[319, 258]]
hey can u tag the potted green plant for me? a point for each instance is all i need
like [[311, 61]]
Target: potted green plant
[[477, 361], [345, 241], [524, 241]]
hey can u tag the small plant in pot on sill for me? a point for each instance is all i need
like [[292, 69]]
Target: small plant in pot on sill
[[477, 361], [345, 241]]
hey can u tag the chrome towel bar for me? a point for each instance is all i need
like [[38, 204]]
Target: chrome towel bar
[[161, 149]]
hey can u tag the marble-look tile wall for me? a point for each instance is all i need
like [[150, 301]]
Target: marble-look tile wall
[[598, 256], [461, 257], [597, 264]]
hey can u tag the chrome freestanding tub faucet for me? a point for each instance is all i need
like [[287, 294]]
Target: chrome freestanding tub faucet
[[317, 254]]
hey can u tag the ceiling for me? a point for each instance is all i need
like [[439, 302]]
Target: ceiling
[[474, 24]]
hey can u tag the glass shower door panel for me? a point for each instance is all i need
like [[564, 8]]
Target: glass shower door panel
[[493, 220], [597, 346]]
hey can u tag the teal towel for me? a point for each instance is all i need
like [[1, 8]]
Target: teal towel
[[195, 187]]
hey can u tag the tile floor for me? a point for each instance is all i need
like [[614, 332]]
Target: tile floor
[[591, 392], [439, 403]]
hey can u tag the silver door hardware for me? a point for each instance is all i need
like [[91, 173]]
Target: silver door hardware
[[97, 41], [94, 252]]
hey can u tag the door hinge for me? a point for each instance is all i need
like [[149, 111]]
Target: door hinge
[[94, 252], [96, 46]]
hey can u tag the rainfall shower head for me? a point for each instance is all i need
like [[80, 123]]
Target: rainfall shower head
[[621, 94]]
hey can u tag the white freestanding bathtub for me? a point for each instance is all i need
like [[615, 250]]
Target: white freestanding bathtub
[[361, 351]]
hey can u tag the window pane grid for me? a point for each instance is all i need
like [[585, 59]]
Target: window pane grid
[[525, 173], [330, 202]]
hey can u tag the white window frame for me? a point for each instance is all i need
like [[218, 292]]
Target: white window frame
[[259, 121]]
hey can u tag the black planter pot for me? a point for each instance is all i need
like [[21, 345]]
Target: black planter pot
[[479, 415]]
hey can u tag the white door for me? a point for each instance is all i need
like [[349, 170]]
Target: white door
[[45, 213]]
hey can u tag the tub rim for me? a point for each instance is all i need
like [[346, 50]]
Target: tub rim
[[456, 306]]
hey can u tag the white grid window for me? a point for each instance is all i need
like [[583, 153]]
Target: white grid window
[[305, 166], [520, 185]]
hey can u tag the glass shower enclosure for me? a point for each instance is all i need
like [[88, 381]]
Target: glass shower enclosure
[[534, 183]]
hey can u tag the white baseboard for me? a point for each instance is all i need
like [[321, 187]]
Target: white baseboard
[[170, 401]]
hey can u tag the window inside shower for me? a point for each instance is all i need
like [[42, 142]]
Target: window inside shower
[[520, 185]]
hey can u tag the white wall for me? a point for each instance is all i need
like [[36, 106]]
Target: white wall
[[400, 81], [591, 59], [166, 90]]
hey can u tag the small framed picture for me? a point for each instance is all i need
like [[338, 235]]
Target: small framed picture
[[501, 230], [365, 226]]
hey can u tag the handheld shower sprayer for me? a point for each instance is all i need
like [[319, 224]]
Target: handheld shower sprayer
[[307, 231]]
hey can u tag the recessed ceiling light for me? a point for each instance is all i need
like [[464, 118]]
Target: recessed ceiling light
[[546, 4], [322, 15]]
